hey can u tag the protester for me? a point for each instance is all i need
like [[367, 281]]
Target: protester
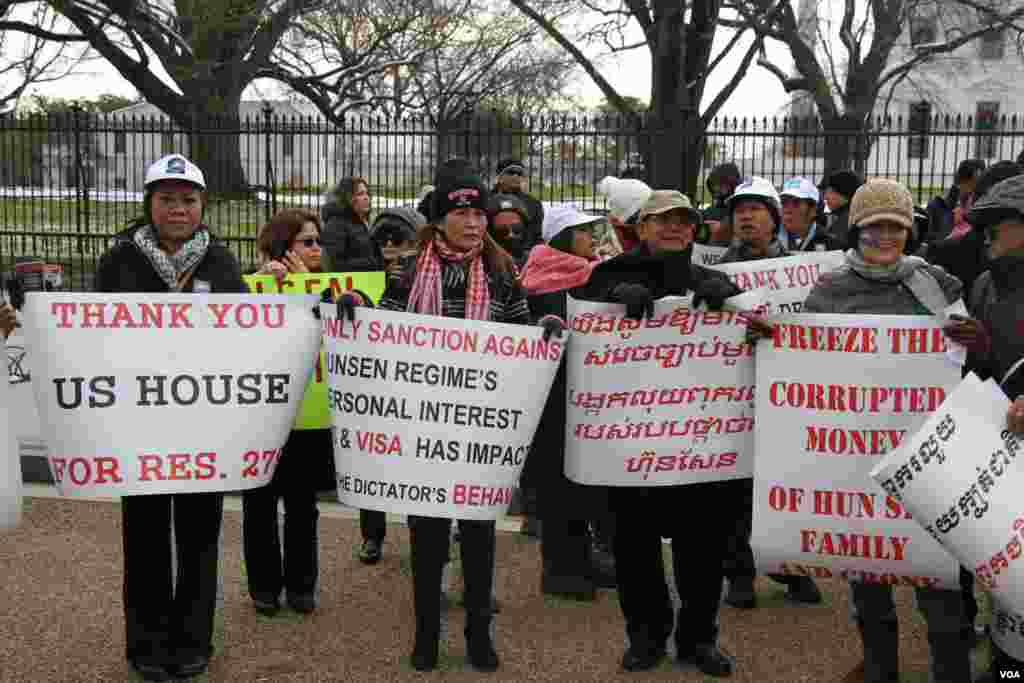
[[756, 213], [800, 230], [289, 243], [459, 272], [992, 335], [878, 278], [966, 256], [512, 179], [169, 619], [948, 215], [347, 246], [625, 197], [8, 319], [553, 272], [837, 188], [394, 232], [660, 267], [508, 222], [721, 182]]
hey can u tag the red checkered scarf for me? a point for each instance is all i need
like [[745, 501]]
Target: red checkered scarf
[[426, 296]]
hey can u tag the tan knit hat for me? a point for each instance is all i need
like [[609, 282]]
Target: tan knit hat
[[880, 199]]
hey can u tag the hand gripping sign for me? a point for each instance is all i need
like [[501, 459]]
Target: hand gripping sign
[[835, 393], [662, 401], [167, 393], [10, 465], [433, 416], [961, 476]]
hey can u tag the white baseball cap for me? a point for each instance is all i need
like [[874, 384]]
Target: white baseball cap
[[175, 167], [558, 217], [801, 188]]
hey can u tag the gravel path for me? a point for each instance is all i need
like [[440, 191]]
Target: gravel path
[[61, 617]]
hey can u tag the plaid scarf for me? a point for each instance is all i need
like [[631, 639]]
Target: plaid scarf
[[426, 297], [171, 267]]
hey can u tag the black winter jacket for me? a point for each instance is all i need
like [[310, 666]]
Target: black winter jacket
[[124, 268], [965, 257], [347, 245], [998, 301]]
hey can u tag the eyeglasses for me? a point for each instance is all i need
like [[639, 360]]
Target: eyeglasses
[[310, 242]]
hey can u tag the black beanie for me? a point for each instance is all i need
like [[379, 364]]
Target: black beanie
[[844, 182], [460, 192]]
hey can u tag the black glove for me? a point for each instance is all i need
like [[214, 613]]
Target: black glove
[[553, 327], [713, 292], [637, 298], [347, 303]]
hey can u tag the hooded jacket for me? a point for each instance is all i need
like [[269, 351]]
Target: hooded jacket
[[406, 214], [345, 240]]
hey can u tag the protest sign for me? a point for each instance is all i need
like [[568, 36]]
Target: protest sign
[[960, 478], [835, 393], [703, 255], [433, 416], [663, 401], [788, 279], [313, 412], [167, 393], [24, 412], [10, 465]]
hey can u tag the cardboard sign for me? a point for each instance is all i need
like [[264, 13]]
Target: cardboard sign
[[313, 413], [704, 255], [961, 476], [10, 465], [788, 280], [433, 416], [835, 394], [664, 401], [167, 393]]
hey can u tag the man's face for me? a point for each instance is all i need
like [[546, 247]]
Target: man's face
[[669, 231], [512, 182], [1006, 237], [833, 200], [967, 185], [797, 215], [753, 222]]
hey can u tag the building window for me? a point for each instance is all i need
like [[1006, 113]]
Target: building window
[[120, 142], [923, 31], [288, 144], [986, 122], [992, 45], [167, 142], [919, 125]]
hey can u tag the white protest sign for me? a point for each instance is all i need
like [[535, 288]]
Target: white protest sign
[[835, 393], [659, 402], [167, 393], [704, 255], [10, 465], [960, 477], [788, 279], [433, 416], [24, 412]]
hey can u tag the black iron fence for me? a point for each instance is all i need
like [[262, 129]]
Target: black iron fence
[[70, 181]]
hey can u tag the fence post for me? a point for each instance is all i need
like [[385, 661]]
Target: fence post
[[268, 111], [76, 127]]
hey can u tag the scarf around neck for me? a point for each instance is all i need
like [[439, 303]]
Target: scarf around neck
[[427, 298], [907, 271], [552, 270], [172, 267]]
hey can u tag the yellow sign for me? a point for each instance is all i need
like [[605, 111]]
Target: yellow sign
[[313, 413]]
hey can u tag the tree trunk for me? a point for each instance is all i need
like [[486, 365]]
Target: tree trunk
[[847, 143], [214, 132]]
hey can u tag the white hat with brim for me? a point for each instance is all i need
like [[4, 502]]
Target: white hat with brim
[[175, 167], [561, 217]]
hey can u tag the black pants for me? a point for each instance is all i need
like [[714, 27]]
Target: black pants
[[739, 560], [373, 524], [430, 538], [565, 547], [268, 569], [169, 617], [697, 518]]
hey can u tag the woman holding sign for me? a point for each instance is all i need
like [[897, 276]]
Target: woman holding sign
[[878, 278], [291, 244], [168, 619], [459, 272]]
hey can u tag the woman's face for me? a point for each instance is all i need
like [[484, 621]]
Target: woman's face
[[882, 243], [361, 200], [583, 241], [306, 246], [833, 200], [464, 228], [177, 210]]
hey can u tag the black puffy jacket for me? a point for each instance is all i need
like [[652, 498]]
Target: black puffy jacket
[[345, 238]]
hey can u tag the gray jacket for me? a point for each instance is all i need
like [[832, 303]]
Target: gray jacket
[[844, 291]]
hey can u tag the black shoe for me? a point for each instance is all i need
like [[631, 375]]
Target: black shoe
[[741, 593], [637, 659], [268, 607], [710, 660], [302, 602], [189, 667], [802, 589], [371, 552], [150, 671]]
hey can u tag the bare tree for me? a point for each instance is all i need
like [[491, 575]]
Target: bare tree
[[679, 37], [872, 48]]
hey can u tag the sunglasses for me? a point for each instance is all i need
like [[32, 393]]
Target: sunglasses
[[310, 242]]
